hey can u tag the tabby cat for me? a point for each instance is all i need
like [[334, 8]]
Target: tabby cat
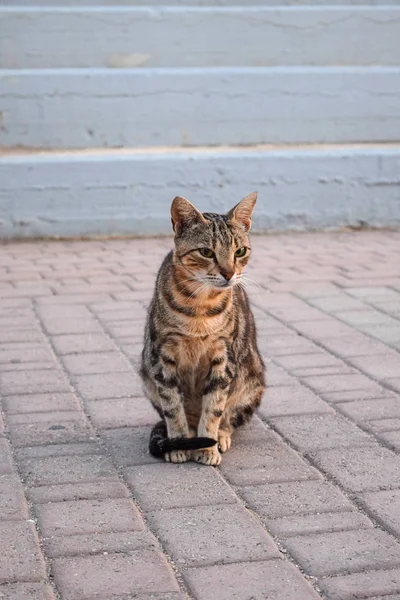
[[201, 367]]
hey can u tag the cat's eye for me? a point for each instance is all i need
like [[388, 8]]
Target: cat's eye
[[206, 252], [241, 252]]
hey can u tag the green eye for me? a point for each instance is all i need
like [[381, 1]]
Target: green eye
[[206, 252], [240, 252]]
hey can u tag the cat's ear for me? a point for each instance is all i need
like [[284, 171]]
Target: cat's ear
[[184, 213], [241, 213]]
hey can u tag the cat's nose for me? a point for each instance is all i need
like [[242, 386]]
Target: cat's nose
[[228, 276]]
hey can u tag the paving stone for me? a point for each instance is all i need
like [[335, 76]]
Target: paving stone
[[337, 303], [13, 506], [384, 506], [99, 543], [394, 383], [96, 362], [391, 438], [117, 307], [204, 535], [295, 498], [29, 403], [88, 516], [23, 354], [317, 371], [79, 343], [389, 334], [278, 376], [66, 469], [6, 464], [121, 412], [359, 318], [304, 361], [20, 559], [282, 345], [162, 596], [127, 329], [379, 408], [353, 395], [261, 457], [272, 579], [102, 488], [26, 591], [356, 344], [129, 446], [358, 469], [156, 487], [317, 523], [316, 432], [59, 432], [108, 385], [99, 576], [381, 366], [345, 551], [362, 585], [28, 366], [115, 316], [337, 383], [291, 400], [58, 326], [52, 450], [33, 382], [20, 335], [47, 417], [382, 425], [321, 329], [79, 298]]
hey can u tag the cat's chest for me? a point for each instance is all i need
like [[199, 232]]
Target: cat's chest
[[194, 354]]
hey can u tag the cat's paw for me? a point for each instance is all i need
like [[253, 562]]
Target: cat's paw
[[224, 441], [207, 456], [177, 456]]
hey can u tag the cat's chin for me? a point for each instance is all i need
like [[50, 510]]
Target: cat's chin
[[224, 286]]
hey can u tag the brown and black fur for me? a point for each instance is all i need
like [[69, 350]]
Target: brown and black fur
[[201, 367]]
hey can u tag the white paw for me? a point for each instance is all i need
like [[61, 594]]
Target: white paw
[[224, 441], [207, 456], [177, 456]]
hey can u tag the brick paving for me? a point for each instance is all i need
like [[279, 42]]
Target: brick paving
[[306, 505]]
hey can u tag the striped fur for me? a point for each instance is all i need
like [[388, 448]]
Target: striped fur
[[201, 367]]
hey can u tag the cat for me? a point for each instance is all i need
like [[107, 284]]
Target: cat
[[201, 367]]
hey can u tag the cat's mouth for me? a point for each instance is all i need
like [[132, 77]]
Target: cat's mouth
[[223, 285]]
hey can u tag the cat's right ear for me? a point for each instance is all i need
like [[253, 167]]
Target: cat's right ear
[[184, 213]]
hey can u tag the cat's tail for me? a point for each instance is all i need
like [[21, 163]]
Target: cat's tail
[[160, 443]]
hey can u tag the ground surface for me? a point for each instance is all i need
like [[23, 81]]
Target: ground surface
[[305, 505]]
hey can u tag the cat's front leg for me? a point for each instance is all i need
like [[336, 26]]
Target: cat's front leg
[[215, 395], [172, 406]]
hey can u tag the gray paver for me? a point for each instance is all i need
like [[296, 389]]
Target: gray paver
[[101, 576], [259, 580], [295, 498], [358, 469], [157, 488], [362, 585], [345, 551], [209, 534], [385, 506]]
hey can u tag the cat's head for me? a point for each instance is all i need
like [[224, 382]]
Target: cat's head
[[213, 248]]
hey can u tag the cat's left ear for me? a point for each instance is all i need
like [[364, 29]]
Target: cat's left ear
[[183, 213], [241, 213]]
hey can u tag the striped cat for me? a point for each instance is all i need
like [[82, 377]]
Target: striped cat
[[201, 367]]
